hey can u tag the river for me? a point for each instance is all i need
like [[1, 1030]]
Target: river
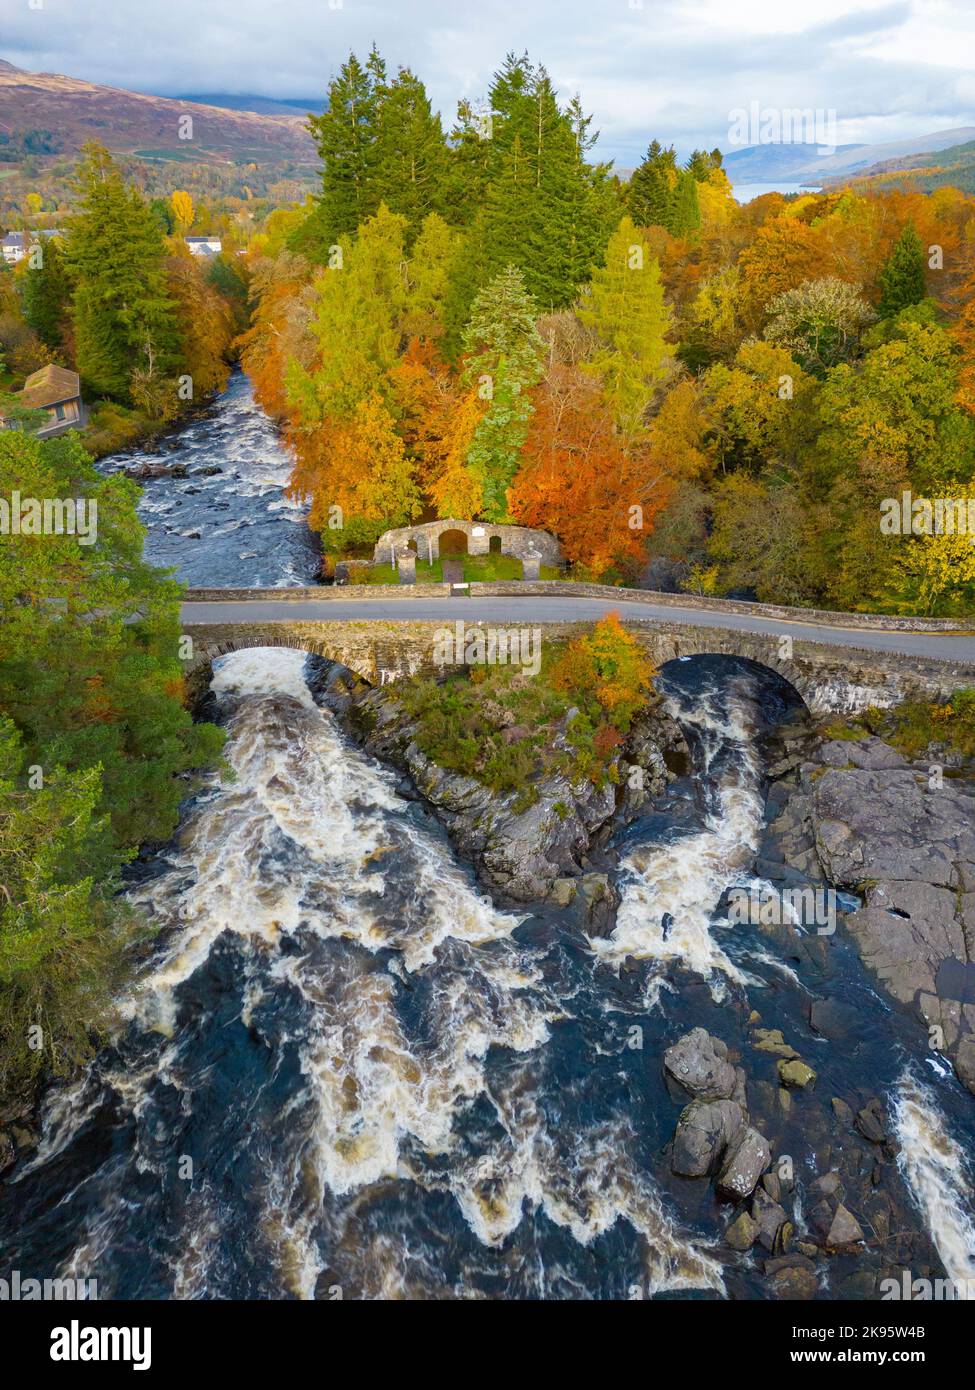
[[345, 1071], [227, 523]]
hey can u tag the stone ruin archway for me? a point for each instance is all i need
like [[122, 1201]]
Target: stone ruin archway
[[452, 542]]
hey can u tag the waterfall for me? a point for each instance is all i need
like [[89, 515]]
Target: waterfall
[[334, 1019], [939, 1177], [685, 877]]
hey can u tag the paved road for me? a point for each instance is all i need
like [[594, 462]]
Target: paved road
[[508, 610]]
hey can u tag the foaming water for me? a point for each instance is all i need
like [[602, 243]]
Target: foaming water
[[684, 878], [337, 1067], [939, 1177], [223, 518]]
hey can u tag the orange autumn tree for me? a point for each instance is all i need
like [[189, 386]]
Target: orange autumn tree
[[579, 480], [456, 487], [280, 330], [785, 252], [607, 672], [424, 401], [356, 474]]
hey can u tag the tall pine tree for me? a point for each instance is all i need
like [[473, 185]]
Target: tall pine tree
[[345, 135], [126, 339], [411, 157], [47, 294], [504, 360], [651, 191], [902, 277]]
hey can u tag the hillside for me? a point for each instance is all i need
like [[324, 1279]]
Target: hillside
[[264, 106], [954, 167], [50, 114], [802, 163]]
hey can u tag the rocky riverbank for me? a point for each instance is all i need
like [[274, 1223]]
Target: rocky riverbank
[[857, 814], [552, 848]]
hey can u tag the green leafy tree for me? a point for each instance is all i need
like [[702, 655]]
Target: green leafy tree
[[95, 741], [625, 309], [902, 276], [358, 324]]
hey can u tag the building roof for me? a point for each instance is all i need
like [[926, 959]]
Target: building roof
[[50, 386]]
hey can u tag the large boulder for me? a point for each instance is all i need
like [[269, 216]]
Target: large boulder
[[745, 1162], [908, 847], [704, 1131], [699, 1063]]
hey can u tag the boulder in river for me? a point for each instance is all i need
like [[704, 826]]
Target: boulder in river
[[745, 1162], [844, 1230], [704, 1131], [699, 1063]]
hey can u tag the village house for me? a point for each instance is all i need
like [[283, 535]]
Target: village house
[[204, 245], [16, 245], [57, 391]]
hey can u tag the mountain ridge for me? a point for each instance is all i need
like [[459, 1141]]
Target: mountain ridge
[[68, 111]]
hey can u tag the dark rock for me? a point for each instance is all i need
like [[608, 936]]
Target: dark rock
[[747, 1158], [831, 1018], [700, 1064], [704, 1131], [828, 1186], [742, 1233], [871, 1122], [770, 1218], [794, 1283], [842, 1111]]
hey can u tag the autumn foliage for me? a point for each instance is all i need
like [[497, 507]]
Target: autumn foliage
[[580, 480]]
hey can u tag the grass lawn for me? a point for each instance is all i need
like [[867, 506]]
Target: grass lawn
[[477, 569], [494, 568]]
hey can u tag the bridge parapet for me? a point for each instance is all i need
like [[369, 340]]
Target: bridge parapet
[[831, 679]]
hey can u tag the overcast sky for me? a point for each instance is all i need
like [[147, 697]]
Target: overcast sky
[[670, 68]]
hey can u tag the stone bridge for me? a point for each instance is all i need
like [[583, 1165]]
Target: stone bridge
[[830, 678]]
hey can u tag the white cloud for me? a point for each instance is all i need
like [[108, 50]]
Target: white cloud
[[671, 68]]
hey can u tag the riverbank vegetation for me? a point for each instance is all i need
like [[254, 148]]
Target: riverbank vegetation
[[120, 299], [95, 749], [506, 728], [486, 322], [917, 727]]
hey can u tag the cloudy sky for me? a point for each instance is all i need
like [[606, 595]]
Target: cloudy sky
[[890, 69]]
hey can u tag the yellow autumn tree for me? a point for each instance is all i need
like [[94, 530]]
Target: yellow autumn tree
[[937, 568], [456, 488], [183, 210]]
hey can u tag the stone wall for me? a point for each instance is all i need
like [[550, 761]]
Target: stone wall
[[555, 588], [515, 540]]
